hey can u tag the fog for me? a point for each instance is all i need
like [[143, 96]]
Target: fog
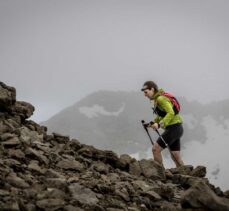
[[56, 52]]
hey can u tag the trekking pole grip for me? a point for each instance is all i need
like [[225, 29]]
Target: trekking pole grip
[[145, 127]]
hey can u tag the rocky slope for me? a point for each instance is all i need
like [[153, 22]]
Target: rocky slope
[[53, 172]]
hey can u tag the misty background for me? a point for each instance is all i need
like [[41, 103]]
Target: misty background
[[56, 53]]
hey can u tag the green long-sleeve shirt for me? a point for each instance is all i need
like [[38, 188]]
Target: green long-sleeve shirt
[[164, 104]]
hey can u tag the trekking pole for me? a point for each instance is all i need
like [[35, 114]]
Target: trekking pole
[[145, 127]]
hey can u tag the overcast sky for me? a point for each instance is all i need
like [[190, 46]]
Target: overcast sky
[[56, 52]]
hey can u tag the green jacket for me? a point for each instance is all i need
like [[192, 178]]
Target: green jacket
[[166, 105]]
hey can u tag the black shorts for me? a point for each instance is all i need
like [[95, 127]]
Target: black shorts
[[171, 136]]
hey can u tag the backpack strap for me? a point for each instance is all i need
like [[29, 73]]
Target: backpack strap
[[174, 101]]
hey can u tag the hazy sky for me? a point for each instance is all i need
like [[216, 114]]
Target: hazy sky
[[55, 52]]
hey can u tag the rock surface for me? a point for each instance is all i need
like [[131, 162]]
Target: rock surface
[[53, 172]]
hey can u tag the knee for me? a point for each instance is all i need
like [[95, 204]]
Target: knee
[[156, 148]]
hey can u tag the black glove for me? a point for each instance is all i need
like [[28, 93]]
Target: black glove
[[148, 124]]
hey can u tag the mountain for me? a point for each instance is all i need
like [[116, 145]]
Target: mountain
[[40, 171], [108, 119]]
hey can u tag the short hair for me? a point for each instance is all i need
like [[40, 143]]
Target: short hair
[[150, 85]]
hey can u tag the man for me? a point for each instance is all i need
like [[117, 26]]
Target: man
[[167, 119]]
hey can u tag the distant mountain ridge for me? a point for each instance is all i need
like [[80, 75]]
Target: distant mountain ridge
[[109, 119]]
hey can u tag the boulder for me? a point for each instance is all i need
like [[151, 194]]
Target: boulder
[[7, 96], [200, 195]]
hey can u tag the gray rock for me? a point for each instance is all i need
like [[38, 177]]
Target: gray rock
[[70, 165], [226, 193], [60, 183], [201, 196], [184, 180], [72, 208], [141, 185], [34, 167], [152, 169], [60, 138], [135, 168], [199, 171], [7, 96], [22, 109], [11, 142], [36, 155], [124, 162], [152, 195], [51, 173], [4, 193], [184, 170], [10, 206], [82, 194], [51, 193], [100, 167], [7, 136], [16, 181], [121, 190], [27, 136], [16, 153], [50, 203]]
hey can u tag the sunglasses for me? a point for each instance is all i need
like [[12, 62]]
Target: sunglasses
[[145, 91]]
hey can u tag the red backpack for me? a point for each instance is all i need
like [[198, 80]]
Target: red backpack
[[174, 101]]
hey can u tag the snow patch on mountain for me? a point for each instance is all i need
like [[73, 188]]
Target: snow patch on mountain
[[96, 110]]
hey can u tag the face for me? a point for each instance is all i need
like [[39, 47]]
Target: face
[[149, 93]]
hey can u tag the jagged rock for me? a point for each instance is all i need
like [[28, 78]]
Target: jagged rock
[[70, 165], [27, 136], [72, 208], [226, 193], [10, 206], [54, 204], [168, 174], [16, 181], [7, 136], [60, 138], [60, 183], [135, 169], [22, 109], [16, 153], [165, 190], [199, 171], [34, 167], [51, 173], [184, 170], [125, 161], [74, 144], [100, 167], [83, 195], [142, 185], [152, 169], [184, 180], [36, 155], [152, 195], [11, 142], [4, 128], [201, 196], [4, 193], [7, 96]]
